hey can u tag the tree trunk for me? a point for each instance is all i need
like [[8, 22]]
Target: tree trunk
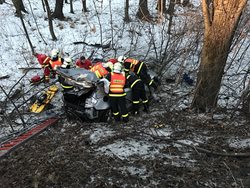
[[160, 10], [170, 11], [84, 6], [2, 1], [71, 7], [50, 20], [221, 19], [143, 13], [58, 12], [26, 32], [161, 6], [19, 6], [126, 18]]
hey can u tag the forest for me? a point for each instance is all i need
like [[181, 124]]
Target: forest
[[197, 131]]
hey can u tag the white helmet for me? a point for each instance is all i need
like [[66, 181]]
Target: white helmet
[[121, 59], [110, 65], [55, 54], [117, 67], [67, 63]]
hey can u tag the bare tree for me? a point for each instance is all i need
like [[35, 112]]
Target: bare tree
[[221, 19], [170, 11], [84, 6], [126, 17], [50, 20], [58, 12], [143, 12], [19, 6], [161, 6], [71, 7]]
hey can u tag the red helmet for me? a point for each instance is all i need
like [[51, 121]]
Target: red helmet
[[113, 60]]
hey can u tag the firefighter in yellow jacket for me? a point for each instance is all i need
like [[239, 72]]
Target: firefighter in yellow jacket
[[117, 94], [139, 68], [138, 92]]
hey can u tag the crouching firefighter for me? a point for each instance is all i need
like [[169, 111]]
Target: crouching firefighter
[[63, 82], [117, 94], [138, 92], [139, 68]]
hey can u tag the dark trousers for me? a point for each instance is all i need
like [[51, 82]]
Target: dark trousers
[[118, 106], [138, 92]]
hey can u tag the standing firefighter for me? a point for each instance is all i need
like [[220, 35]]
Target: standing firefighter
[[67, 88], [117, 94], [138, 92], [66, 65], [139, 68]]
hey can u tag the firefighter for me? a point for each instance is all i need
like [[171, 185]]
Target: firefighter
[[138, 92], [112, 60], [66, 65], [117, 94], [67, 88], [139, 68], [44, 62], [82, 62], [102, 69], [56, 61]]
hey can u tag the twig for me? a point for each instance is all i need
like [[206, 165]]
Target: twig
[[230, 172], [202, 149], [4, 77]]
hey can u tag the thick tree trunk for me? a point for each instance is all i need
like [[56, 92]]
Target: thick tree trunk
[[161, 6], [19, 6], [220, 24], [161, 9], [58, 12], [84, 6], [143, 13], [170, 11], [126, 18]]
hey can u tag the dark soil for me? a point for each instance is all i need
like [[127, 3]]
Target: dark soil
[[65, 155]]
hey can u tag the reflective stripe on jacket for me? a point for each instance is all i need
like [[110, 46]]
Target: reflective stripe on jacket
[[99, 70], [133, 63], [55, 64], [117, 84]]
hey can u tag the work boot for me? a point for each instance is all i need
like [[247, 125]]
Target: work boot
[[117, 118], [125, 119], [135, 109], [146, 108]]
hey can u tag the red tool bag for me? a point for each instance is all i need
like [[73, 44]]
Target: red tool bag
[[36, 79]]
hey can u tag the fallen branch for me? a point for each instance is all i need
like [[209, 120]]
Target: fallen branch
[[4, 77], [29, 68], [103, 46]]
